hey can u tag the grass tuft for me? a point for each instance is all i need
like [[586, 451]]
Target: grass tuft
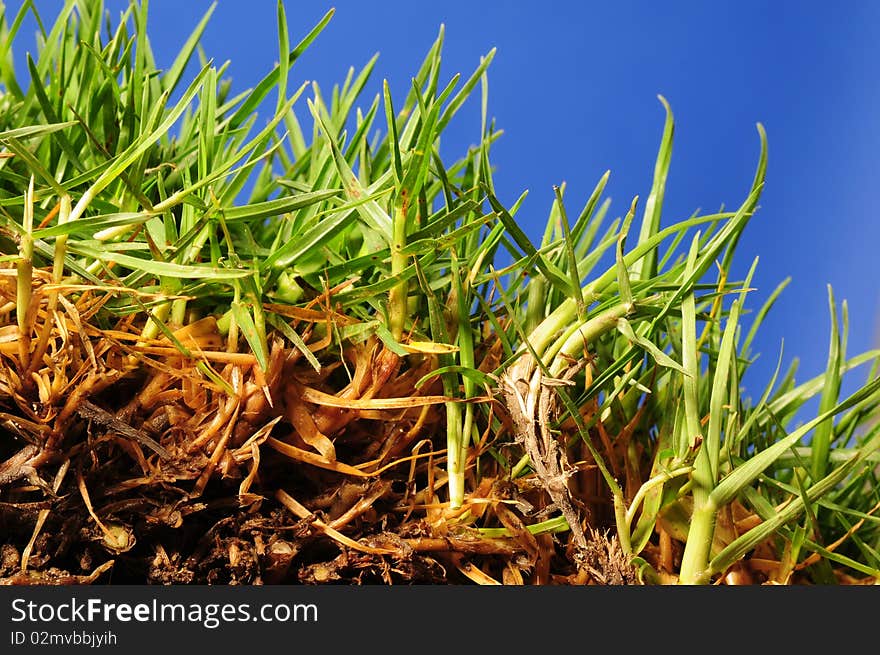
[[289, 337]]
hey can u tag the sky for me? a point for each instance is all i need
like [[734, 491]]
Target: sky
[[574, 86]]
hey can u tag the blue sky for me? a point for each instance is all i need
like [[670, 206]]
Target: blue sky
[[574, 88]]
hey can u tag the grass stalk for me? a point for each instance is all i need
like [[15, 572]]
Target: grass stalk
[[25, 277], [397, 306]]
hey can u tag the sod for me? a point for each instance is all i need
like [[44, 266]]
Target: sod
[[243, 350]]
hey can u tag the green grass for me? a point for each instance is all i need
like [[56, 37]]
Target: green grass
[[617, 391]]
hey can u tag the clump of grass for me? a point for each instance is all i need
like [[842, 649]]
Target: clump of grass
[[189, 299]]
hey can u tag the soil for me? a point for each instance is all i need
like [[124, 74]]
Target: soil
[[163, 535]]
